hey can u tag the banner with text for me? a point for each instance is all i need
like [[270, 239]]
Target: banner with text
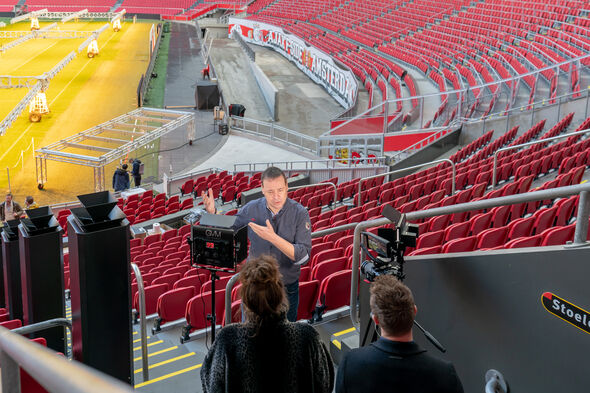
[[338, 82]]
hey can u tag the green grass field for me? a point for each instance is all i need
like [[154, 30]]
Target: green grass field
[[85, 93]]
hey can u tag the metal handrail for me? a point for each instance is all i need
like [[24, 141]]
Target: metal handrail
[[142, 322], [318, 184], [228, 289], [409, 168], [579, 236], [330, 163], [39, 326], [55, 373], [494, 167]]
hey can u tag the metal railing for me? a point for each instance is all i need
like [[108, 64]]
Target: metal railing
[[55, 373], [494, 166], [314, 164], [318, 184], [142, 322], [275, 132], [407, 169], [581, 232]]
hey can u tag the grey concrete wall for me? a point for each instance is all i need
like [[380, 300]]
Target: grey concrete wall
[[429, 153], [269, 91], [486, 309]]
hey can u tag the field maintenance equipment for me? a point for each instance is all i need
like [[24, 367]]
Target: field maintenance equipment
[[38, 107], [34, 23], [92, 49]]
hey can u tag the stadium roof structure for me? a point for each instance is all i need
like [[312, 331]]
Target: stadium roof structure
[[111, 140]]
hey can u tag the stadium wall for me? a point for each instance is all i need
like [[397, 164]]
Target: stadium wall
[[489, 311], [340, 83], [269, 91], [430, 153]]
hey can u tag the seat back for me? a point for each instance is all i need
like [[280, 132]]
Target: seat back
[[199, 306], [152, 293], [172, 304], [335, 290], [525, 241], [464, 244], [308, 294], [327, 267]]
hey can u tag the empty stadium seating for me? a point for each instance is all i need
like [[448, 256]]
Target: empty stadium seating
[[458, 41]]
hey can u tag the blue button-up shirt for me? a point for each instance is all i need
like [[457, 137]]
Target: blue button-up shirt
[[291, 223]]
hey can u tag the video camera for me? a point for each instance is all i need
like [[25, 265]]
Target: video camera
[[389, 245], [216, 245]]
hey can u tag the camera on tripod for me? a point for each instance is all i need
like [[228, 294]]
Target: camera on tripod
[[385, 250]]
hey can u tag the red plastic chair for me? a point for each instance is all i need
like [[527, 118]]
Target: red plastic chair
[[308, 294], [465, 244], [172, 306], [335, 291]]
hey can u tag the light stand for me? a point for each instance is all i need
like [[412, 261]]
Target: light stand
[[211, 317]]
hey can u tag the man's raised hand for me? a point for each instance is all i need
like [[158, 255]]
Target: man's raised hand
[[208, 201]]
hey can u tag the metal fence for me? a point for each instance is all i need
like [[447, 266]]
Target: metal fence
[[52, 371]]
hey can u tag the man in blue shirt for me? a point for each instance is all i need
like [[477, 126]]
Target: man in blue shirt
[[277, 226]]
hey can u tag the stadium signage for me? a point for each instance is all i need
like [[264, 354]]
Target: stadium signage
[[338, 82], [566, 311]]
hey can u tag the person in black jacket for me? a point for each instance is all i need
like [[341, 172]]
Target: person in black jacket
[[267, 353], [135, 171], [394, 363], [121, 178]]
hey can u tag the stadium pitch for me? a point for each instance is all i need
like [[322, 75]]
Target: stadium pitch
[[85, 93]]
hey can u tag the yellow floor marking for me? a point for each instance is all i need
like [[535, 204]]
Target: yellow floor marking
[[352, 329], [186, 355], [337, 343], [584, 181], [168, 376], [156, 353], [149, 345], [139, 339], [135, 333]]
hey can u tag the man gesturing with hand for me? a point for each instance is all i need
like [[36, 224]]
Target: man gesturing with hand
[[277, 226]]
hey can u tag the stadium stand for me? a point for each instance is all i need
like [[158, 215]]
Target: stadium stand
[[459, 39], [70, 5]]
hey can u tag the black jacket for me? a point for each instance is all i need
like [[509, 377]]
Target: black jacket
[[399, 367], [135, 168], [120, 180], [281, 357]]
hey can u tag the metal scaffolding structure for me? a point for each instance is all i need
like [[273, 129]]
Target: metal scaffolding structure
[[61, 15], [112, 140], [74, 15]]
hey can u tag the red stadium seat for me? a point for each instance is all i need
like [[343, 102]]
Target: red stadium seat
[[172, 306], [308, 294], [558, 236], [152, 293], [464, 244], [199, 306], [327, 267], [335, 291], [527, 241]]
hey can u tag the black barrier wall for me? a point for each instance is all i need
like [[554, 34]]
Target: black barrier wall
[[487, 310], [42, 283], [101, 299], [12, 280]]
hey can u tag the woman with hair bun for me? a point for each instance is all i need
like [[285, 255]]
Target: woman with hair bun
[[266, 353]]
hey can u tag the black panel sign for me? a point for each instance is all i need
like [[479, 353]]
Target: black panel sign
[[563, 309]]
